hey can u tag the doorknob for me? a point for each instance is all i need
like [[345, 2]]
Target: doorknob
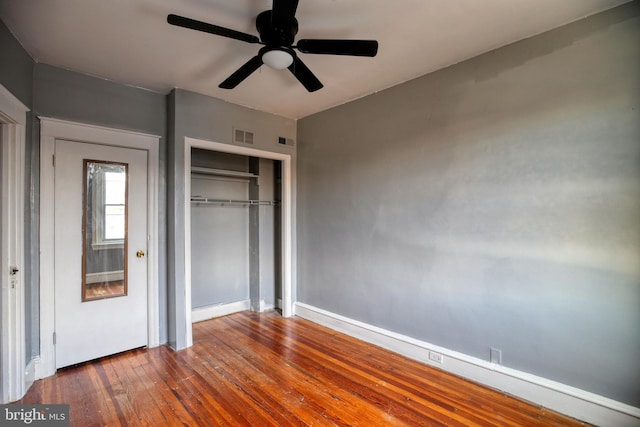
[[140, 254], [13, 270]]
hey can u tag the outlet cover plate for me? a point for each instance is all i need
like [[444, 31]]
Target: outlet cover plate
[[436, 357]]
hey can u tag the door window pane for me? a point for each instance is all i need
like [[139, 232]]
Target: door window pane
[[104, 257]]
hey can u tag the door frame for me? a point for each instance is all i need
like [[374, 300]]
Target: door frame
[[50, 130], [287, 226], [13, 118]]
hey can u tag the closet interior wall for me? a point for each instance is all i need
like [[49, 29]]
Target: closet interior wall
[[235, 218]]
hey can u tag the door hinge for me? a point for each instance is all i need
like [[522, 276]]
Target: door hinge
[[53, 160], [54, 338]]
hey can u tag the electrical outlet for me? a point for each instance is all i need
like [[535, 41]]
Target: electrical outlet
[[436, 357]]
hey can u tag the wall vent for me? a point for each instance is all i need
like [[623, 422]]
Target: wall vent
[[286, 141], [242, 136]]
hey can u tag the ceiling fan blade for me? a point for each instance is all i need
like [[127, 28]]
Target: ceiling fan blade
[[304, 75], [284, 10], [338, 47], [192, 24], [242, 73]]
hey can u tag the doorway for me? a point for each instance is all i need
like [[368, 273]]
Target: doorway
[[235, 218], [14, 376], [52, 133], [284, 237]]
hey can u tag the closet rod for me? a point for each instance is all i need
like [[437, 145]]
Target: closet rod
[[224, 202]]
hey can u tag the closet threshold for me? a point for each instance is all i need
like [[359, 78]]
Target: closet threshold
[[227, 202], [222, 172]]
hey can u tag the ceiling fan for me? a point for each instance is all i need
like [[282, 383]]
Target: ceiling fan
[[278, 28]]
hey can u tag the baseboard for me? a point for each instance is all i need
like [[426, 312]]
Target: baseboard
[[576, 403], [265, 307], [209, 312], [30, 372]]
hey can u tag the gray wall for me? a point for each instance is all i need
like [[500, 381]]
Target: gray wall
[[198, 116], [16, 67], [495, 203], [67, 95], [71, 96], [219, 234], [219, 242]]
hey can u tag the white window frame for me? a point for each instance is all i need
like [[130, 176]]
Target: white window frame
[[98, 240]]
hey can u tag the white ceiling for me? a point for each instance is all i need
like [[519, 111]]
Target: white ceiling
[[129, 41]]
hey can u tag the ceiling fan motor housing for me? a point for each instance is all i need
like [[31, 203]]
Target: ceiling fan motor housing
[[276, 33]]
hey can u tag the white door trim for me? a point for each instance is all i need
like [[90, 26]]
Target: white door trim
[[13, 117], [287, 242], [50, 130]]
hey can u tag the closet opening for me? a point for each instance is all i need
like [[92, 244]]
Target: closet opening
[[235, 233]]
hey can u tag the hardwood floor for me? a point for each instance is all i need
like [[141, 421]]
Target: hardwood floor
[[262, 370], [114, 288]]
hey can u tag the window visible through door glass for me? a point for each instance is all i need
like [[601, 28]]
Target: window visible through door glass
[[114, 205]]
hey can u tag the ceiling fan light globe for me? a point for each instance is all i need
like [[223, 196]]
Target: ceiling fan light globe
[[277, 59]]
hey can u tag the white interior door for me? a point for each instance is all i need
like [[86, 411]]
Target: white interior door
[[97, 324]]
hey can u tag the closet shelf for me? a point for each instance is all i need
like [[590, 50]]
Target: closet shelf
[[222, 172], [227, 202]]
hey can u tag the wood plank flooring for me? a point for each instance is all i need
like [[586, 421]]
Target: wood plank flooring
[[101, 290], [262, 370]]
